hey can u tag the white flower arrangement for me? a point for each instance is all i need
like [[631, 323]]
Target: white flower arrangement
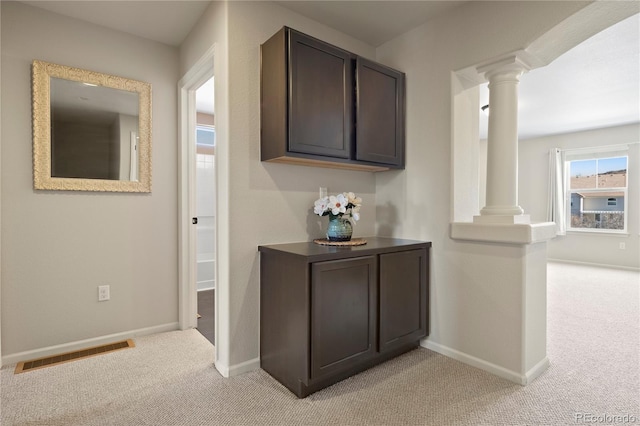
[[345, 205]]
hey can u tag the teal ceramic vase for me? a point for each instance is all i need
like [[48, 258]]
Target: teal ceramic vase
[[339, 229]]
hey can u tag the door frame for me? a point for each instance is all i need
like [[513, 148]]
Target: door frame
[[202, 71]]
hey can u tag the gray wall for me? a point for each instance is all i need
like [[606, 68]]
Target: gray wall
[[259, 203], [57, 247], [263, 203]]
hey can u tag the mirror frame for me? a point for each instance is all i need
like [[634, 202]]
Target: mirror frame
[[42, 179]]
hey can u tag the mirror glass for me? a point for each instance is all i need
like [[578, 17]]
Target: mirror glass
[[91, 130]]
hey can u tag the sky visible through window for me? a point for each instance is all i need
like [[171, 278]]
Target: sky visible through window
[[603, 165]]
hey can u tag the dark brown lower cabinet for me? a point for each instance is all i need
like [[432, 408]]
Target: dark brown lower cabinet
[[343, 314], [327, 313], [403, 301]]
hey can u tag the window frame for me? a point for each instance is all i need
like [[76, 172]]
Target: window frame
[[206, 148], [597, 156]]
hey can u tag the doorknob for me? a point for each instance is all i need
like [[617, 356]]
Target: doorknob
[[194, 220]]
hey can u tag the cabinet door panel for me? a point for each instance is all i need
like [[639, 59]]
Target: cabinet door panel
[[403, 298], [380, 114], [343, 314], [320, 97]]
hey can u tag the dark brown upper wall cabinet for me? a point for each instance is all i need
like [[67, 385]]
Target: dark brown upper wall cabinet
[[320, 98], [323, 106], [380, 114]]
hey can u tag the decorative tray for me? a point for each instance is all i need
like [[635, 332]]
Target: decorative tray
[[352, 242]]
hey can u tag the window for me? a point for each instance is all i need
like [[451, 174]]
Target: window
[[205, 139], [597, 192]]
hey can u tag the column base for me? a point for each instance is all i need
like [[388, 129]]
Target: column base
[[501, 211]]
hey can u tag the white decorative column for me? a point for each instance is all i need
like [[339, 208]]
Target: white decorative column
[[502, 143], [502, 254]]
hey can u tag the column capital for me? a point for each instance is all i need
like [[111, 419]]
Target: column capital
[[513, 65]]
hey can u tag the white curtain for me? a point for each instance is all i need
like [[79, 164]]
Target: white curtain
[[556, 204]]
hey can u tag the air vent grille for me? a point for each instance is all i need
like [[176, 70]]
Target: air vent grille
[[72, 356]]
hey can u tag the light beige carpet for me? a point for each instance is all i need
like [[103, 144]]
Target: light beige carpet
[[168, 379]]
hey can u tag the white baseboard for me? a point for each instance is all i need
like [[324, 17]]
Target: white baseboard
[[513, 376], [238, 369], [87, 343], [537, 370], [597, 265]]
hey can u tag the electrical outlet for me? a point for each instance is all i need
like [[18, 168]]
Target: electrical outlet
[[103, 293], [622, 246]]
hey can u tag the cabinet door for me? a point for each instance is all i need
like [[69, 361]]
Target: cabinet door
[[320, 97], [380, 114], [343, 314], [403, 298]]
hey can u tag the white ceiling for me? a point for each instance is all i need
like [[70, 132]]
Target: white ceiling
[[594, 85], [205, 96], [168, 22], [374, 22]]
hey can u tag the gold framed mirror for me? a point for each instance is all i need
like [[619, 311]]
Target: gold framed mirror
[[91, 131]]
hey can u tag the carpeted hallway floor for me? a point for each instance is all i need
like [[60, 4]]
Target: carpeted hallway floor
[[168, 379]]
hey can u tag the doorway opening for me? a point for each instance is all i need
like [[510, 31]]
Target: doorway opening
[[197, 210], [205, 200]]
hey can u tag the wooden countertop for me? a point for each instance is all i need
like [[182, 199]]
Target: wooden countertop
[[316, 252]]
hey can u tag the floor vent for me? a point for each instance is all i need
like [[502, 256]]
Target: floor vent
[[72, 356]]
